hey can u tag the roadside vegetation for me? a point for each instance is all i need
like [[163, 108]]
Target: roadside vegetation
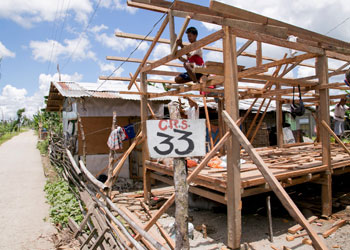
[[59, 193], [11, 128]]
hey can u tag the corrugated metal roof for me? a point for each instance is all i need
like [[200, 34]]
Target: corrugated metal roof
[[106, 90]]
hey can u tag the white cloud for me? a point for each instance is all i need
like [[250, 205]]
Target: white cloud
[[109, 68], [26, 13], [117, 43], [161, 50], [117, 5], [12, 98], [78, 49], [4, 52], [211, 26]]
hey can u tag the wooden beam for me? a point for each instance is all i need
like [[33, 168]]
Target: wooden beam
[[119, 78], [145, 152], [277, 41], [181, 33], [274, 184], [233, 193], [136, 60], [284, 81], [322, 73], [150, 49], [193, 46], [234, 12], [244, 47]]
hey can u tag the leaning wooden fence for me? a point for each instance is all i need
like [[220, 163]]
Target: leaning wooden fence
[[104, 226]]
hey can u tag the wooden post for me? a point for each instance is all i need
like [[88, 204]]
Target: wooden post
[[279, 119], [322, 73], [181, 201], [82, 138], [172, 29], [221, 123], [258, 54], [145, 155], [233, 192], [181, 205], [208, 122], [111, 156]]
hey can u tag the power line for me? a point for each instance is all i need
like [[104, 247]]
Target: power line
[[137, 47], [337, 26], [81, 35]]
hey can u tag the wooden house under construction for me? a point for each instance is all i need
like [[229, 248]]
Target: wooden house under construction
[[264, 169]]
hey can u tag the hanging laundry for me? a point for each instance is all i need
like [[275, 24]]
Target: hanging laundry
[[130, 131], [115, 139]]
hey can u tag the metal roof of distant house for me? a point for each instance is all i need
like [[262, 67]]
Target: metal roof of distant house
[[109, 89]]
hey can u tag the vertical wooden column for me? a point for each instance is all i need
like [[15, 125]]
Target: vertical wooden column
[[279, 119], [233, 191], [221, 123], [145, 155], [322, 73], [258, 54], [172, 29]]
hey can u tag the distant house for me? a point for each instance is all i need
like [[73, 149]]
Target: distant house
[[95, 105]]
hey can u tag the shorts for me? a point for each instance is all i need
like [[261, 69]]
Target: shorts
[[186, 77]]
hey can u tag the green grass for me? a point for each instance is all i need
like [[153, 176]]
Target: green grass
[[7, 136]]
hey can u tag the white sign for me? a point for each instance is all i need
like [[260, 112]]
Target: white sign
[[176, 138]]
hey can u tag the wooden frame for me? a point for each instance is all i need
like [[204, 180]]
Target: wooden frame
[[255, 28]]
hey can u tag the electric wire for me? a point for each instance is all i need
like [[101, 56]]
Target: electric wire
[[81, 34], [137, 47]]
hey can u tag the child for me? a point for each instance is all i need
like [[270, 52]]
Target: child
[[195, 58]]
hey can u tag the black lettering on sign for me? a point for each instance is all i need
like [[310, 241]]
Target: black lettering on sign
[[185, 138], [167, 141]]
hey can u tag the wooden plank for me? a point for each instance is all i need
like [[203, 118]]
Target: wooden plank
[[284, 81], [258, 54], [120, 78], [273, 183], [334, 228], [296, 228], [150, 49], [162, 231], [233, 192], [193, 46]]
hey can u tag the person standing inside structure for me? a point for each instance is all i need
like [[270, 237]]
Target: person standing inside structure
[[194, 59], [339, 114]]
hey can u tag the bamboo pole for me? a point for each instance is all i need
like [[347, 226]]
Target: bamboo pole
[[82, 138], [111, 154], [208, 122]]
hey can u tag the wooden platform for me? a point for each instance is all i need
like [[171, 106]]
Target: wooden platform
[[291, 166]]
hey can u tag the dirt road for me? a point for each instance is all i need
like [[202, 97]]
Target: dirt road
[[22, 203]]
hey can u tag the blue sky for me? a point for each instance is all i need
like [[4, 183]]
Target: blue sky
[[37, 35]]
